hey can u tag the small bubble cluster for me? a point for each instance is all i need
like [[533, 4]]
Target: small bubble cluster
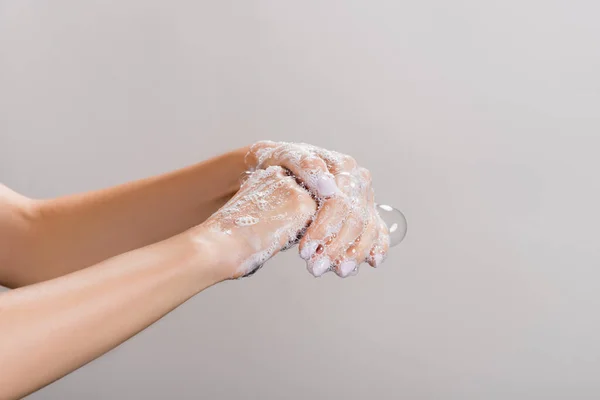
[[246, 221]]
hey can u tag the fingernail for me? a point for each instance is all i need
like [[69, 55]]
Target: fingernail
[[308, 250], [320, 266], [347, 267], [377, 259], [326, 185]]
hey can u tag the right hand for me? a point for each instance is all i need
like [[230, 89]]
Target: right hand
[[268, 213], [347, 228]]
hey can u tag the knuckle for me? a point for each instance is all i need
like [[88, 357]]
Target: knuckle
[[365, 174], [306, 204], [349, 162], [264, 143], [307, 163], [287, 180], [255, 147], [279, 153], [312, 163], [260, 146]]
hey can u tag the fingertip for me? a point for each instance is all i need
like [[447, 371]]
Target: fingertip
[[308, 249], [347, 268], [326, 185], [376, 258], [319, 267]]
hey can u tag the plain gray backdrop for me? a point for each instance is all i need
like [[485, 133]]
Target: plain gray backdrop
[[479, 119]]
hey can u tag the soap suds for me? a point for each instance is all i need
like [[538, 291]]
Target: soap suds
[[345, 200], [246, 221], [268, 213]]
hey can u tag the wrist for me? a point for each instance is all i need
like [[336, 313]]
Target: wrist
[[216, 255]]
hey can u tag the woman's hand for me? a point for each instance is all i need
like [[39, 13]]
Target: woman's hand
[[347, 229], [269, 213]]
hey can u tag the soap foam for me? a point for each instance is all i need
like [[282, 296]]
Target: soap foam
[[269, 210], [314, 168]]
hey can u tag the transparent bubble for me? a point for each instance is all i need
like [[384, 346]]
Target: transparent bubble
[[395, 221]]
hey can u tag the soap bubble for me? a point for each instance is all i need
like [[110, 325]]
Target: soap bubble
[[395, 221]]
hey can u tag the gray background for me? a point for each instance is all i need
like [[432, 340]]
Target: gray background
[[479, 119]]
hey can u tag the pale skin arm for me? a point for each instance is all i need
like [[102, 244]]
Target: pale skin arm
[[51, 328], [76, 231], [73, 232]]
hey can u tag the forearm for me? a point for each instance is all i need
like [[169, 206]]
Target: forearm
[[76, 231], [52, 328]]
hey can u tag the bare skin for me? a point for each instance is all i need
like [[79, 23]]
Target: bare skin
[[48, 329], [347, 229], [74, 232], [92, 270]]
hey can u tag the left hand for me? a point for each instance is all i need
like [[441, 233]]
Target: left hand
[[347, 229], [267, 214]]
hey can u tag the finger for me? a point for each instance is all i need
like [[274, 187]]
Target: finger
[[304, 208], [257, 152], [353, 243], [356, 185], [365, 176], [360, 249], [367, 239], [357, 199], [307, 167], [348, 184], [336, 250], [336, 162], [328, 222], [381, 246]]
